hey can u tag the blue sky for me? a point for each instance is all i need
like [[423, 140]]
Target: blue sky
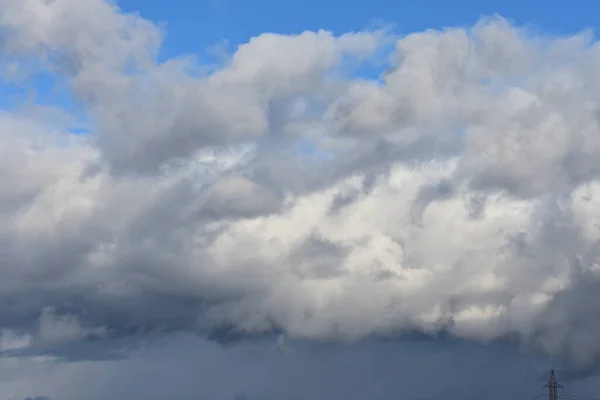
[[193, 25]]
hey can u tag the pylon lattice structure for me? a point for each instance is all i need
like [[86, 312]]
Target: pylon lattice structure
[[553, 387]]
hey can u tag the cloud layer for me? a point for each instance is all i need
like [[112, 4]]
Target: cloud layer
[[458, 192]]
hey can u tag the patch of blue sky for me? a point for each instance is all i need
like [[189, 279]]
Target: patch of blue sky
[[195, 25], [307, 148], [43, 89]]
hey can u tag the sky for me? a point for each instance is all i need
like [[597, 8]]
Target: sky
[[299, 200]]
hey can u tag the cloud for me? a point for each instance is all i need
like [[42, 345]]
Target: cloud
[[458, 193], [66, 328]]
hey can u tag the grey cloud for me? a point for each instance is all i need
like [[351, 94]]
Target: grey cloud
[[429, 193], [239, 197], [64, 329], [459, 195]]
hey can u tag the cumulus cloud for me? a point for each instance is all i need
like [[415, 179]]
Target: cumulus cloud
[[281, 194]]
